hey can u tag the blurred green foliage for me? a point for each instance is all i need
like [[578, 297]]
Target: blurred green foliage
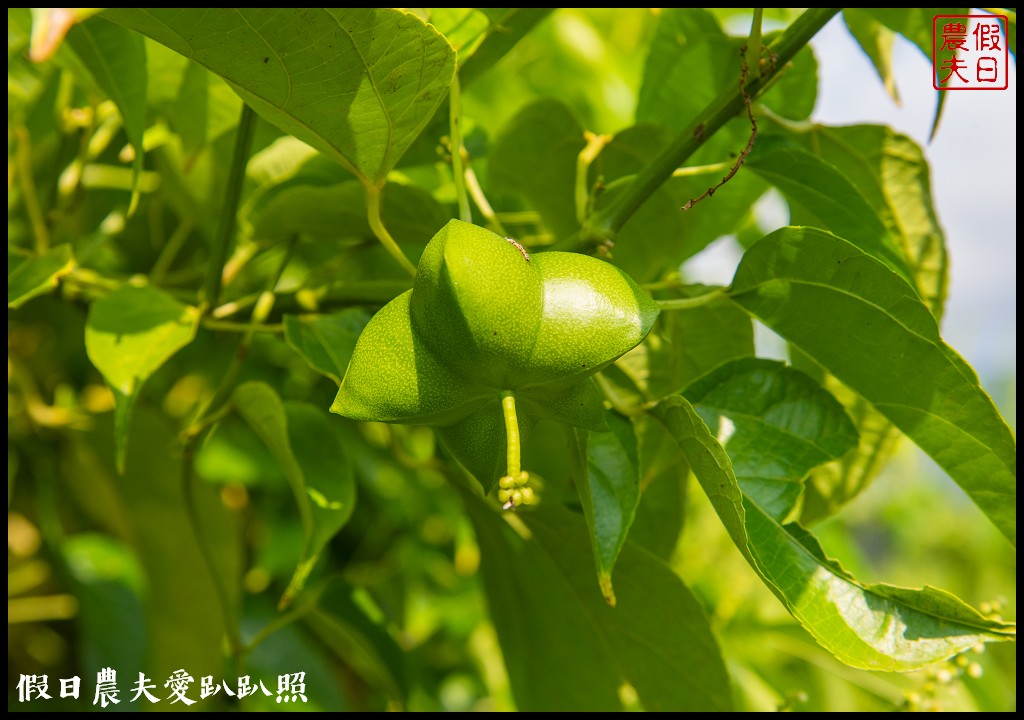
[[424, 599]]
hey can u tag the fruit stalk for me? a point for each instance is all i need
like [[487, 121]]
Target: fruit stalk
[[508, 407]]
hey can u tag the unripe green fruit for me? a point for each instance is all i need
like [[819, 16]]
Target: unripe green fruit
[[477, 304], [486, 322], [509, 320]]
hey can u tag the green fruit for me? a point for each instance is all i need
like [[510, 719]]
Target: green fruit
[[484, 318], [393, 377], [477, 303], [509, 320]]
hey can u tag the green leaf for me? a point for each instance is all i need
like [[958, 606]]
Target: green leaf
[[541, 592], [686, 344], [534, 156], [326, 342], [356, 84], [205, 109], [165, 71], [300, 195], [876, 40], [464, 28], [781, 424], [479, 442], [291, 645], [685, 38], [360, 641], [660, 513], [674, 90], [108, 584], [710, 464], [874, 627], [129, 334], [508, 26], [263, 410], [319, 212], [328, 479], [831, 486], [309, 453], [116, 58], [577, 402], [609, 491], [795, 92], [864, 324], [831, 197], [132, 331], [37, 275], [891, 172], [185, 622]]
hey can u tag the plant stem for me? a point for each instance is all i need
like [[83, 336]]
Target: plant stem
[[193, 437], [373, 193], [28, 189], [512, 446], [455, 139], [170, 250], [210, 294], [595, 143], [228, 326], [603, 225], [477, 193], [691, 302], [278, 623], [754, 44]]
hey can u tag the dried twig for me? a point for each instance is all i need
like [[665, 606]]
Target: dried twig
[[750, 143]]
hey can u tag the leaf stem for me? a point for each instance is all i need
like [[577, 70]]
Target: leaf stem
[[455, 139], [373, 193], [29, 192], [512, 443], [604, 224], [595, 143], [188, 483], [477, 193], [228, 326], [691, 302], [754, 44], [280, 622], [210, 293], [170, 250]]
